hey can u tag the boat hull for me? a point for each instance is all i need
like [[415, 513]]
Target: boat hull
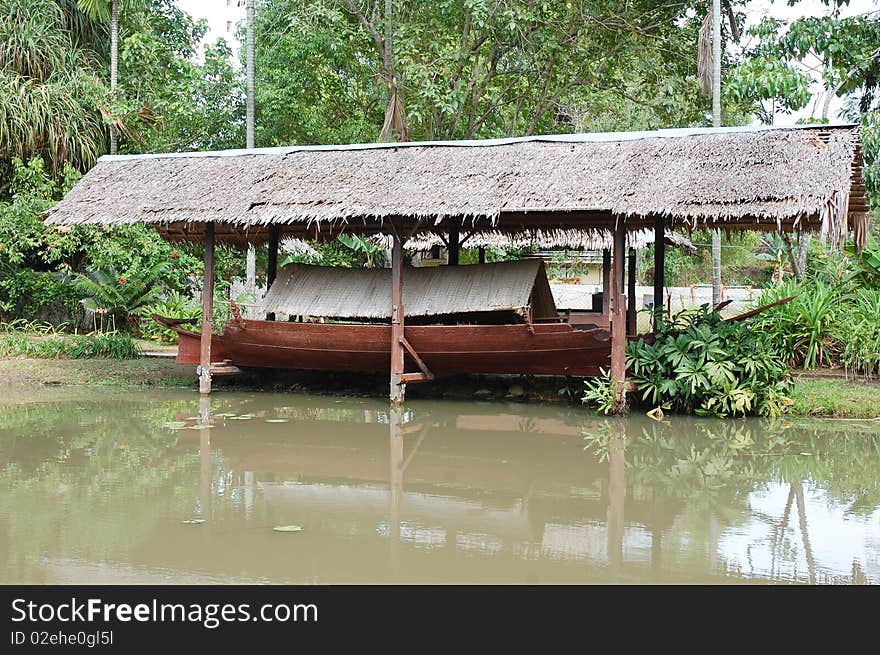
[[541, 349]]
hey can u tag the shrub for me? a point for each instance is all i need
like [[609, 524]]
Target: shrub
[[858, 332], [599, 392], [25, 292], [111, 345], [119, 295], [175, 305], [803, 329], [699, 363]]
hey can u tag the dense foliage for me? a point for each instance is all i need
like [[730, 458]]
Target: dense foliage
[[476, 68], [700, 363], [834, 318], [466, 69]]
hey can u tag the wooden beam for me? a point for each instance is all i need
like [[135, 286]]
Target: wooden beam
[[631, 292], [659, 264], [606, 282], [406, 378], [618, 319], [272, 266], [418, 360], [207, 312], [398, 385]]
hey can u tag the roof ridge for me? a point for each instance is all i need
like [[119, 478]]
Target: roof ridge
[[577, 137]]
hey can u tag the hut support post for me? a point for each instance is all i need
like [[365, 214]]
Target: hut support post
[[606, 282], [618, 318], [482, 255], [659, 267], [272, 265], [631, 292], [207, 312], [454, 243], [398, 386]]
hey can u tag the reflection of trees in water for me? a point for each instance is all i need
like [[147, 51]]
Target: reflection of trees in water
[[87, 464], [715, 462], [698, 474]]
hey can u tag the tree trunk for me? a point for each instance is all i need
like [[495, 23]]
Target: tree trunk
[[803, 248], [251, 260], [114, 68], [789, 250], [249, 119]]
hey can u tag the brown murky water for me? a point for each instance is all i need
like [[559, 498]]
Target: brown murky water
[[106, 486]]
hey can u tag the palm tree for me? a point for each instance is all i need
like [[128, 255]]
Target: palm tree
[[51, 103], [101, 11]]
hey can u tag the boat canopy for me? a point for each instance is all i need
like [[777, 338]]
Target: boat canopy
[[362, 293]]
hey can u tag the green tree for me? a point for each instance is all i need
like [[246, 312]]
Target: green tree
[[845, 54], [475, 68], [51, 104], [102, 11]]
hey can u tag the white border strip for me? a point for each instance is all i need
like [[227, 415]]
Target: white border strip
[[594, 137]]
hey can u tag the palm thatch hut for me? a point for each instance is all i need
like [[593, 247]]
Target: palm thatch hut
[[755, 178]]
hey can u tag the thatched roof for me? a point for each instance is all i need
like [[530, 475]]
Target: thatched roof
[[738, 178], [568, 239], [332, 292]]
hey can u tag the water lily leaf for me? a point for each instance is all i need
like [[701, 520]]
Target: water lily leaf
[[174, 425], [200, 427], [277, 420], [288, 528], [193, 521], [224, 414], [192, 418]]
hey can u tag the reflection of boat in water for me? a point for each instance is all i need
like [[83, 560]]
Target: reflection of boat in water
[[363, 504], [487, 318]]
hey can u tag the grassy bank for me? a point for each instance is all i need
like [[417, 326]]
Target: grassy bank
[[112, 345], [102, 372], [832, 398], [836, 398]]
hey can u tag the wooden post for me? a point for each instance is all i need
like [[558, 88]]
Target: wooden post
[[395, 484], [606, 282], [398, 387], [482, 255], [207, 312], [454, 243], [618, 319], [272, 265], [205, 468], [659, 265], [631, 292], [616, 500]]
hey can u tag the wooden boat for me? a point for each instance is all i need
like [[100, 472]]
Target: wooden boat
[[487, 318], [538, 349]]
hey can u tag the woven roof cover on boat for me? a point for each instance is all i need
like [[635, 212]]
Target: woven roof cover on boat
[[736, 178], [332, 292]]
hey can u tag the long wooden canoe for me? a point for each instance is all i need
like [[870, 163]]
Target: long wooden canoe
[[538, 349]]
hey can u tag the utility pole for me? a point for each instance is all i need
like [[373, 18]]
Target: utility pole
[[716, 122], [251, 262], [114, 67], [250, 74]]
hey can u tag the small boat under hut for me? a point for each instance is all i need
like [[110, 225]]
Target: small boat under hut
[[482, 318]]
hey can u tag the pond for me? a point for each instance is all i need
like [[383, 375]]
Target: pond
[[108, 486]]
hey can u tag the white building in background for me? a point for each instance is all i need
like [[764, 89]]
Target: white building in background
[[222, 16]]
